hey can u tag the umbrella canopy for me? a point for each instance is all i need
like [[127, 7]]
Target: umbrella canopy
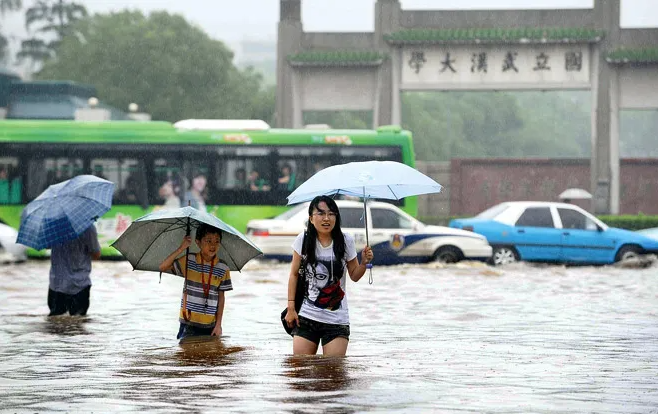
[[388, 180], [151, 238], [64, 211], [575, 194]]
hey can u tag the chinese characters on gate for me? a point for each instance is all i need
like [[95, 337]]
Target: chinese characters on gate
[[480, 62]]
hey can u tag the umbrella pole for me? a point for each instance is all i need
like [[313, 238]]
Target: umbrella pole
[[186, 314], [365, 221]]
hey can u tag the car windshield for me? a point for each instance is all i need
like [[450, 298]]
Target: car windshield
[[290, 213], [492, 211]]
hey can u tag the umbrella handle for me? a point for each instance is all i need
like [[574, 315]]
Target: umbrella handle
[[365, 220], [186, 313]]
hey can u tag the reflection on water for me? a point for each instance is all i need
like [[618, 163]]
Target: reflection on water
[[316, 373], [464, 337], [206, 351], [66, 325]]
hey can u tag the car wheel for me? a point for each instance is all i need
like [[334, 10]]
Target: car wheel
[[627, 252], [448, 254], [503, 255]]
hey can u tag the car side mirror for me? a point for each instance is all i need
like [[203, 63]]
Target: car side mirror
[[599, 228]]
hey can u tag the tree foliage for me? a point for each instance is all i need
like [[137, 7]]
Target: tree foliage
[[496, 124], [55, 20], [173, 69], [5, 7]]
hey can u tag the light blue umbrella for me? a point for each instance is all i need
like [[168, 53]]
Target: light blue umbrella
[[151, 238], [388, 180], [64, 211]]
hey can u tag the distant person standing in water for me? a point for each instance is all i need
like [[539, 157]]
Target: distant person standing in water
[[70, 269]]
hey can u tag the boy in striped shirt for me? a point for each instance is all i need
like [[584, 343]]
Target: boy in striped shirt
[[206, 280]]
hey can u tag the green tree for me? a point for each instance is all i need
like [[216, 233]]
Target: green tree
[[485, 124], [55, 19], [173, 69], [637, 135], [6, 6]]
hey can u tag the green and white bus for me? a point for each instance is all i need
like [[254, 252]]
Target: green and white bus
[[236, 170]]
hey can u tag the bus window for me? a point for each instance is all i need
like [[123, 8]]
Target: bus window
[[352, 154], [11, 182], [107, 169], [62, 169], [232, 174], [306, 161], [259, 163], [127, 174], [43, 172], [167, 173]]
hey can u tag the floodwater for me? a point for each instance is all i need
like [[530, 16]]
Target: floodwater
[[462, 338]]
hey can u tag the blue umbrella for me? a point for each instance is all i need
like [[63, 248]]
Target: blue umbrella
[[387, 180], [151, 238], [64, 211]]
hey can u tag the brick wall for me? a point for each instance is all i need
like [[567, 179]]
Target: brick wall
[[435, 205], [476, 184]]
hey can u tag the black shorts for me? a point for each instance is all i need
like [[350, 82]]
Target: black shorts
[[315, 331], [60, 303]]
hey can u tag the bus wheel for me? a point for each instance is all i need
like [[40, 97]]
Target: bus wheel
[[504, 255], [447, 254]]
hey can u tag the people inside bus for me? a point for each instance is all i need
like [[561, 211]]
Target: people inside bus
[[256, 183], [239, 179], [129, 194], [286, 181], [4, 185], [170, 192], [16, 185], [11, 185], [196, 193], [317, 166]]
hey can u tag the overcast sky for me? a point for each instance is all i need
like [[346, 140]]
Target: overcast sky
[[236, 20]]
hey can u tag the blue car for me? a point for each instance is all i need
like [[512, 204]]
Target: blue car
[[553, 232], [652, 232]]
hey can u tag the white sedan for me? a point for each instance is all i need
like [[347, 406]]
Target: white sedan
[[395, 236], [10, 251]]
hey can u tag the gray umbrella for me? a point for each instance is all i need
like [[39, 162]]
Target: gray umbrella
[[151, 238]]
